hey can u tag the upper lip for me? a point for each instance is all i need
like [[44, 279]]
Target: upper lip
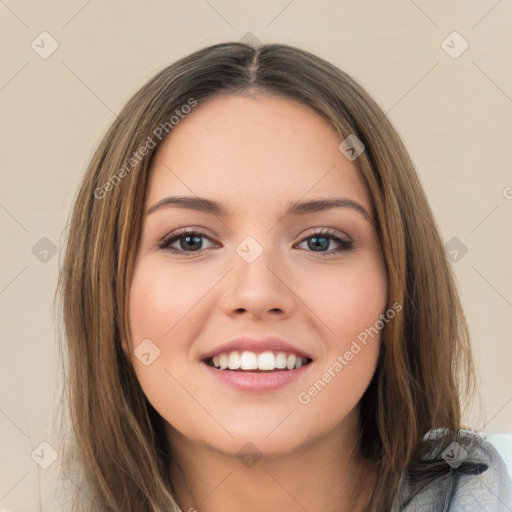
[[256, 345]]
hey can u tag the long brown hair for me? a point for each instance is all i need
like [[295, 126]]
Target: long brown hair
[[425, 365]]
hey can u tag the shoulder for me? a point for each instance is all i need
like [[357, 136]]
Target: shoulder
[[463, 475]]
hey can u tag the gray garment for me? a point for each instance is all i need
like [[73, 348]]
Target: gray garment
[[488, 490]]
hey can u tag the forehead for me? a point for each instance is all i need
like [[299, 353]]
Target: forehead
[[239, 148]]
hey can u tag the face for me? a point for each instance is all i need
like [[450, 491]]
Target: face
[[253, 284]]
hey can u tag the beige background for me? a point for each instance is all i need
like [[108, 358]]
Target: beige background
[[453, 113]]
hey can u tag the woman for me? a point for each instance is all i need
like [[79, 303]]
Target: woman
[[258, 309]]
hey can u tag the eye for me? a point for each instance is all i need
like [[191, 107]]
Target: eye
[[191, 241], [319, 242]]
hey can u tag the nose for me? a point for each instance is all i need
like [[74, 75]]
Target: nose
[[258, 288]]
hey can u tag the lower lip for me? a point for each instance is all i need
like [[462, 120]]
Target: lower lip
[[257, 382]]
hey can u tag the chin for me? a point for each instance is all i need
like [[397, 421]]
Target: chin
[[263, 442], [257, 447]]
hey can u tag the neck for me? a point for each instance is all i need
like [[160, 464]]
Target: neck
[[324, 475]]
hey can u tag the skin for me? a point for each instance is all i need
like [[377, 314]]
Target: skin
[[255, 155]]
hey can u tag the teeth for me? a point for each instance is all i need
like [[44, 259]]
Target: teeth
[[234, 361], [265, 361], [223, 361], [281, 360], [248, 361]]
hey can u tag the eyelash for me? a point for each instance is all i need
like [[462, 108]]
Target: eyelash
[[345, 245]]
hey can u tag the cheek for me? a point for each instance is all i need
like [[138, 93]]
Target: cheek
[[156, 307], [350, 307], [151, 306], [163, 300], [350, 301], [164, 308]]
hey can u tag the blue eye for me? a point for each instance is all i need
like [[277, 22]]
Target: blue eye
[[322, 239], [190, 241]]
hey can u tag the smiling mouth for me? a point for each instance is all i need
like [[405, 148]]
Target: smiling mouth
[[264, 362]]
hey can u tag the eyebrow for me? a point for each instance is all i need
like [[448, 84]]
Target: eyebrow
[[295, 208]]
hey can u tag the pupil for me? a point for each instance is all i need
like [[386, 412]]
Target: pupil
[[313, 244], [195, 240]]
